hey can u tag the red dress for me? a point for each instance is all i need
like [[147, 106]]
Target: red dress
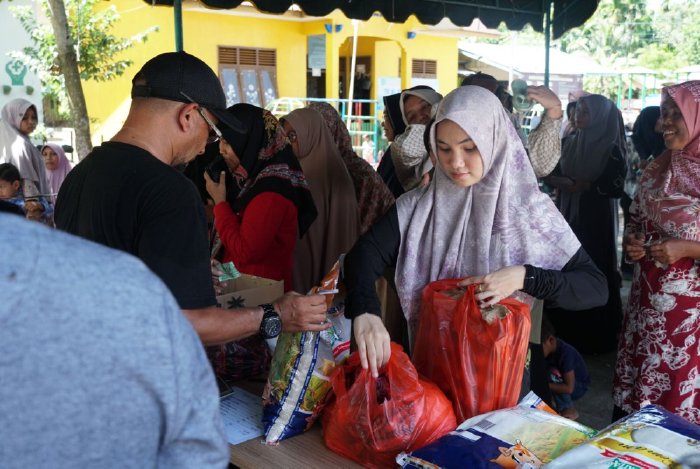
[[261, 239], [659, 352]]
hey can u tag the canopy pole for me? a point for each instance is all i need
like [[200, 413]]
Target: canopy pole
[[547, 40], [351, 90], [177, 14]]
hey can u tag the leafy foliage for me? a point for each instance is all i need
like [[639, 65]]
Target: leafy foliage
[[676, 25], [614, 34], [97, 49], [662, 36]]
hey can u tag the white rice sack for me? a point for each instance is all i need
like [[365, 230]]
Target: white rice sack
[[651, 438]]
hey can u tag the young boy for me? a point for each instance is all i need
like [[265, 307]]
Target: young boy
[[11, 191], [568, 375]]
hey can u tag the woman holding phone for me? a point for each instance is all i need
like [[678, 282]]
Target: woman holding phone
[[257, 227]]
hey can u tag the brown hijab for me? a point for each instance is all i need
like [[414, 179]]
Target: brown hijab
[[373, 196], [336, 227]]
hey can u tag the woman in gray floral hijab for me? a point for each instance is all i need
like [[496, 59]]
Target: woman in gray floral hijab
[[482, 216]]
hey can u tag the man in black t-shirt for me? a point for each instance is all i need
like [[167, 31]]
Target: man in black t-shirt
[[126, 194]]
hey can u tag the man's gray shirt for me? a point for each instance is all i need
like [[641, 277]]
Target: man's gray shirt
[[98, 366]]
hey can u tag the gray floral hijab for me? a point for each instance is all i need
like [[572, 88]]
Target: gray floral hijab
[[503, 220]]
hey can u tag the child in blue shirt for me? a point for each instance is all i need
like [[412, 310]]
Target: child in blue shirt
[[568, 375], [35, 208]]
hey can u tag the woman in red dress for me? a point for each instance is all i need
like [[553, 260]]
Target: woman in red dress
[[257, 227], [659, 355]]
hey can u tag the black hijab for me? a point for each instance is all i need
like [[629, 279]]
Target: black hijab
[[646, 140], [267, 157], [392, 106]]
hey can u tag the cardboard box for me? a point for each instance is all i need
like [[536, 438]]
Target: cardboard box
[[249, 290]]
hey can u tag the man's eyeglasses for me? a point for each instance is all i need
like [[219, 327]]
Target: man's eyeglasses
[[214, 132]]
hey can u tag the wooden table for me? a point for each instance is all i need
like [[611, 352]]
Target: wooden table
[[301, 451]]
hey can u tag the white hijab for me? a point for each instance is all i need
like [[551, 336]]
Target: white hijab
[[503, 220], [423, 92], [17, 149]]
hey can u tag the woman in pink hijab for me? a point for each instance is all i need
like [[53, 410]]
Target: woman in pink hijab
[[57, 167], [658, 358]]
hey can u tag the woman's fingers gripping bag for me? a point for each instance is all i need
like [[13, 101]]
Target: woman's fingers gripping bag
[[372, 420], [479, 364]]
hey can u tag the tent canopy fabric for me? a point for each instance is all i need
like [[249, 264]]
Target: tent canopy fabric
[[516, 14]]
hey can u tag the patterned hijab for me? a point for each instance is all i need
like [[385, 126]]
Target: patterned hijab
[[373, 196], [336, 228], [669, 193], [503, 220], [270, 164], [56, 176], [17, 149]]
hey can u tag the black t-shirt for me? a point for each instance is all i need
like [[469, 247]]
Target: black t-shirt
[[125, 198]]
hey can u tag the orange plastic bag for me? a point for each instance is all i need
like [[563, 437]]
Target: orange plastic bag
[[372, 420], [478, 365]]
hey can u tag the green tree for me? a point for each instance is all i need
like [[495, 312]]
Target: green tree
[[614, 36], [615, 33], [77, 44], [676, 25]]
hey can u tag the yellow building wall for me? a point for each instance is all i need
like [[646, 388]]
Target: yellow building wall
[[204, 31]]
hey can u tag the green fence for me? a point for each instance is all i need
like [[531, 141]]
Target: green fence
[[359, 125]]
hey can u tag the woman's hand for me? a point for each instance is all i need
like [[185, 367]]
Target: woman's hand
[[497, 285], [669, 251], [633, 245], [373, 342], [217, 191], [547, 98], [215, 273], [33, 209]]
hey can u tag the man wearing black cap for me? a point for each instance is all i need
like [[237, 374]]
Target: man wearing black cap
[[127, 194]]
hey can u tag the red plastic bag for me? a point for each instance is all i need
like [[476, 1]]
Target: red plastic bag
[[372, 420], [478, 365]]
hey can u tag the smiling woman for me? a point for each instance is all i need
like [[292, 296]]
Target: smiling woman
[[663, 239], [675, 131]]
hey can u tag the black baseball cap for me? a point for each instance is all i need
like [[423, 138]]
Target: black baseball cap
[[179, 76]]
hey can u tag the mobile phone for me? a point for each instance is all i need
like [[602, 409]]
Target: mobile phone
[[214, 168]]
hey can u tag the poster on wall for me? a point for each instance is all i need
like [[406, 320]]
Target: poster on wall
[[317, 51], [16, 79], [385, 87], [434, 83]]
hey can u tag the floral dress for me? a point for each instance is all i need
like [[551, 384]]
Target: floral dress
[[659, 351]]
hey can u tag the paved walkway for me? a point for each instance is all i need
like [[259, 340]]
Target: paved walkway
[[595, 407]]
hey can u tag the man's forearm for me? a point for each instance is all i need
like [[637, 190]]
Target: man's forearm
[[217, 326]]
